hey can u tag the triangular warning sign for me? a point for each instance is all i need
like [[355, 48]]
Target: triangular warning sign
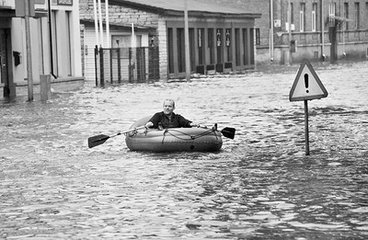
[[307, 85]]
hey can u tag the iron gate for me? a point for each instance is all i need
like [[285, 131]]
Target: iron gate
[[126, 65]]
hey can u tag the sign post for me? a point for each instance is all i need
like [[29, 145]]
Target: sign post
[[307, 86]]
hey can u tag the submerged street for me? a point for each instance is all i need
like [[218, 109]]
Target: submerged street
[[261, 185]]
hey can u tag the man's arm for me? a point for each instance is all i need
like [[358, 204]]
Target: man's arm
[[153, 122]]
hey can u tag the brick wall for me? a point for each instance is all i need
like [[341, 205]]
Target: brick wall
[[118, 14]]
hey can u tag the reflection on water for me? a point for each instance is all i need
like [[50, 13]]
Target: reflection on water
[[260, 186]]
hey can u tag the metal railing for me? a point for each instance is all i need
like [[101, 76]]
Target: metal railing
[[126, 65]]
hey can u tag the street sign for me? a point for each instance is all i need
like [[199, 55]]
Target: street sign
[[307, 85]]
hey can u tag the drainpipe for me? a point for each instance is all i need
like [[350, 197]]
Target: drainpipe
[[51, 44]]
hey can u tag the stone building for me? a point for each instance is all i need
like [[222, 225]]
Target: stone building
[[321, 30], [54, 48], [221, 38]]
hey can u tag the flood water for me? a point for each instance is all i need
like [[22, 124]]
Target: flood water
[[261, 185]]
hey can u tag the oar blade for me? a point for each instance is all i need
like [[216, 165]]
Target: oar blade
[[228, 132], [97, 140]]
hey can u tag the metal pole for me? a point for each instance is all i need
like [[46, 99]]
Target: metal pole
[[108, 39], [96, 22], [306, 127], [322, 31], [101, 25], [29, 51], [271, 33], [186, 33], [289, 23]]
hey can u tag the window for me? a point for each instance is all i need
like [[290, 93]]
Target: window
[[302, 17], [346, 15], [246, 46], [180, 49], [228, 44], [170, 42], [201, 49], [258, 37], [366, 14], [237, 46], [292, 26], [211, 45], [314, 17], [357, 15]]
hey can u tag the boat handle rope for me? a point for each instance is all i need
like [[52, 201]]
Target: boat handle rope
[[192, 137]]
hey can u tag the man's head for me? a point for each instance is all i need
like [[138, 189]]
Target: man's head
[[169, 106]]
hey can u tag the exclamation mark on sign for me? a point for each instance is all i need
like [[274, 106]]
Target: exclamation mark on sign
[[306, 82]]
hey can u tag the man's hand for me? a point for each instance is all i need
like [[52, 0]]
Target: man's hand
[[148, 125], [195, 125]]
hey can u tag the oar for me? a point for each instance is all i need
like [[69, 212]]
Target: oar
[[101, 138], [228, 132]]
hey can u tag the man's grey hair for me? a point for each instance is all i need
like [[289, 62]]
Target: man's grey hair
[[169, 100]]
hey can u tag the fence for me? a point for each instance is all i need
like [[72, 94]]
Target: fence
[[126, 65]]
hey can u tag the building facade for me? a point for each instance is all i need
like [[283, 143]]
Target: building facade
[[54, 45], [221, 38], [321, 30]]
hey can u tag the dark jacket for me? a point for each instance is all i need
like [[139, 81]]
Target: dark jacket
[[176, 121]]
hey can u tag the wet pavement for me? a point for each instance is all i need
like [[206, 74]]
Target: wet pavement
[[259, 186]]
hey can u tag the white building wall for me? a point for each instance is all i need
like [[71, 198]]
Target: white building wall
[[40, 45], [162, 36]]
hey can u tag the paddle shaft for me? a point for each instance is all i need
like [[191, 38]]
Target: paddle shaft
[[100, 139]]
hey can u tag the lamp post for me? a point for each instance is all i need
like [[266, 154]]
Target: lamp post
[[289, 23], [29, 51]]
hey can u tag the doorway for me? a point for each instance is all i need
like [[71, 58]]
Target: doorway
[[5, 59]]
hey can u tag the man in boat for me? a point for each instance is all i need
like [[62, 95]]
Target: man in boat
[[168, 119]]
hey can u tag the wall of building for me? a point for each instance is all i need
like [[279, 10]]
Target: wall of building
[[120, 14], [311, 41], [66, 40], [162, 44]]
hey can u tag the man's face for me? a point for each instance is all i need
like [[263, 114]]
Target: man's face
[[168, 107]]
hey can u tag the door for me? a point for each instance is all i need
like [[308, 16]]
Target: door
[[4, 81]]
